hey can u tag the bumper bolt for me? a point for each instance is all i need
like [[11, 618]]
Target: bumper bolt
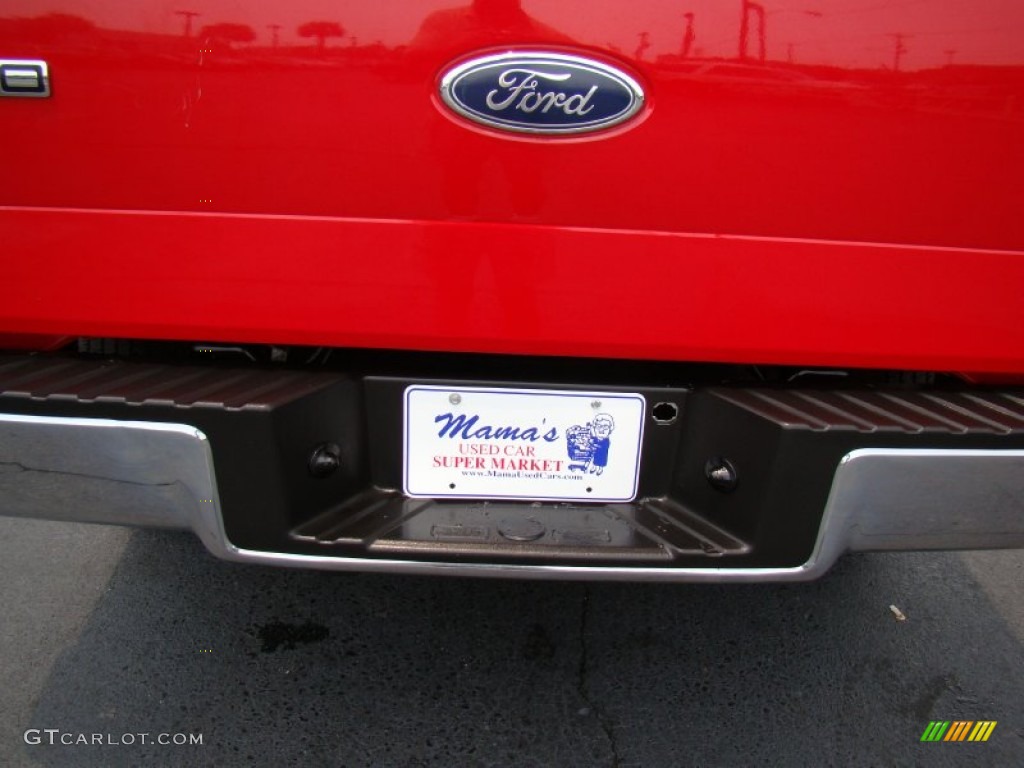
[[325, 460], [721, 474]]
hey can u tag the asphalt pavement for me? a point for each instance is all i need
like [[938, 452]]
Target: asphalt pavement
[[120, 639]]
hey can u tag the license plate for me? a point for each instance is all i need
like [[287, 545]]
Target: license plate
[[543, 445]]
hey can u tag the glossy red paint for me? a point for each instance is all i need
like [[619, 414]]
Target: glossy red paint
[[724, 226], [512, 289]]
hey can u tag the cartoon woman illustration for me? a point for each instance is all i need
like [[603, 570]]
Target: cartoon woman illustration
[[600, 429]]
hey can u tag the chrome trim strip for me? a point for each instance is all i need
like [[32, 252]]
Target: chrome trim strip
[[151, 473], [544, 572], [14, 74]]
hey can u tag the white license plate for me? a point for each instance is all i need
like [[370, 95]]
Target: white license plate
[[544, 445]]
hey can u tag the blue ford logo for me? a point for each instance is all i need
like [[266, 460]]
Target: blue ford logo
[[541, 93]]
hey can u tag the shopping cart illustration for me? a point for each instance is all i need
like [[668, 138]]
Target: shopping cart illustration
[[580, 445], [588, 444]]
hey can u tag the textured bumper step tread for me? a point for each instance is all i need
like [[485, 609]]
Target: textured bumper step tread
[[155, 384], [383, 523], [870, 411]]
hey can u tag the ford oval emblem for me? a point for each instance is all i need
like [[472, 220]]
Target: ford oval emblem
[[552, 94]]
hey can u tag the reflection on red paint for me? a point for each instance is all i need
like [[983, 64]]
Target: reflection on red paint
[[841, 121], [214, 109]]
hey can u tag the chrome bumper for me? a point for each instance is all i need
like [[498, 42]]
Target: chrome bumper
[[160, 474]]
